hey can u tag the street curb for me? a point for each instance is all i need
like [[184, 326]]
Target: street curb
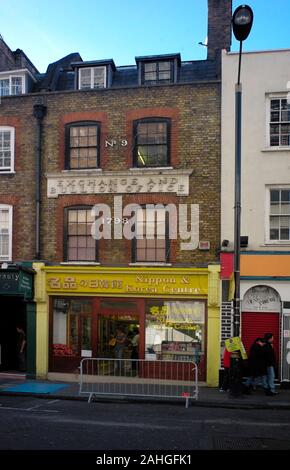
[[193, 403]]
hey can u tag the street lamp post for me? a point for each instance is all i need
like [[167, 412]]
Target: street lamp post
[[242, 23]]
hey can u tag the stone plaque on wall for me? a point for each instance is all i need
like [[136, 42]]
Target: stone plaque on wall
[[140, 181]]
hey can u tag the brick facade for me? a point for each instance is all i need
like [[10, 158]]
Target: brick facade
[[195, 144]]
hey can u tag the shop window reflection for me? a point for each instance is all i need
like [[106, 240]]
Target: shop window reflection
[[72, 321], [175, 330]]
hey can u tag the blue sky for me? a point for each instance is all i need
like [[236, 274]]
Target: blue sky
[[123, 29]]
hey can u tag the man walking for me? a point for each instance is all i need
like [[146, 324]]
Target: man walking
[[270, 363]]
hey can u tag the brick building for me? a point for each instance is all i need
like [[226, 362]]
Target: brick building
[[90, 133]]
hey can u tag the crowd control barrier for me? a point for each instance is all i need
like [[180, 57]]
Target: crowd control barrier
[[139, 378]]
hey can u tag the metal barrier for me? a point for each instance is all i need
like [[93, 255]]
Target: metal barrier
[[139, 378]]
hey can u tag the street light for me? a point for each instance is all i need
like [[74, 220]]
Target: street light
[[242, 23]]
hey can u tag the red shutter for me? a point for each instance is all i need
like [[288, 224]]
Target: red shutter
[[256, 324]]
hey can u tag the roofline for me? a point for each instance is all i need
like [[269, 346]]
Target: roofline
[[266, 51], [16, 71]]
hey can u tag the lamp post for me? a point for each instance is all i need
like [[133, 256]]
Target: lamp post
[[242, 23]]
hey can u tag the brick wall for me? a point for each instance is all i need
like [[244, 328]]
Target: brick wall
[[194, 111], [195, 144]]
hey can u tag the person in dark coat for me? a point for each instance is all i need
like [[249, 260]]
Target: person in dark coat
[[270, 363], [257, 365]]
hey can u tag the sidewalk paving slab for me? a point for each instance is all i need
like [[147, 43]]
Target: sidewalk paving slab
[[208, 397]]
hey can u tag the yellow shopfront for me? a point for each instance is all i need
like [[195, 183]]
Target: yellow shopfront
[[175, 312]]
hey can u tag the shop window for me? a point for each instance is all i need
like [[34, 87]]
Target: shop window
[[152, 138], [72, 328], [79, 243], [175, 330], [82, 145], [152, 244]]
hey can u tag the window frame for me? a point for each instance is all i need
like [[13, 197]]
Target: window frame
[[10, 77], [134, 244], [12, 149], [135, 143], [66, 240], [271, 97], [68, 127], [268, 240], [92, 69], [10, 231], [158, 81]]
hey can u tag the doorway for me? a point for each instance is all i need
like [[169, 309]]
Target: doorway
[[114, 314], [13, 313]]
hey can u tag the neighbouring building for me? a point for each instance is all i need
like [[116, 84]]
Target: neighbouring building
[[108, 138], [265, 226]]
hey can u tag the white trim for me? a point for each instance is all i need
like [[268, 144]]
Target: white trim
[[272, 96], [12, 148], [23, 84], [17, 72], [10, 230], [268, 241], [92, 69]]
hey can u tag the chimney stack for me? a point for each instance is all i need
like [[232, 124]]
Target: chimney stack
[[219, 30]]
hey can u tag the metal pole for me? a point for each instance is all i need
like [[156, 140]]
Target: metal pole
[[237, 207]]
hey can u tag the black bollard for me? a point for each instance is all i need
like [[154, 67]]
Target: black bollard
[[236, 376]]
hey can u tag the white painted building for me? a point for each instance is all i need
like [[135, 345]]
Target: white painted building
[[265, 264]]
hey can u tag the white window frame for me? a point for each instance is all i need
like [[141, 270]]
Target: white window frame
[[92, 71], [9, 77], [269, 97], [10, 222], [268, 241], [12, 149]]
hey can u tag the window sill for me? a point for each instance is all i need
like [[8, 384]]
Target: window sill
[[152, 168], [83, 170], [276, 149], [80, 263], [278, 244], [7, 172], [150, 264]]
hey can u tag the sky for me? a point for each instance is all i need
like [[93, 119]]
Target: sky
[[124, 29]]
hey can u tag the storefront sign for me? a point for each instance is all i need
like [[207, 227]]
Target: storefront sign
[[162, 181], [16, 282], [127, 283]]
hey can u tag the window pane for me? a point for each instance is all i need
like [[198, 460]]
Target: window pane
[[164, 66], [85, 78], [99, 77], [150, 67]]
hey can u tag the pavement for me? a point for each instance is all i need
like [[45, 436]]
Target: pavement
[[19, 385]]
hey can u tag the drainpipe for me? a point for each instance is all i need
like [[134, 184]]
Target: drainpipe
[[39, 111]]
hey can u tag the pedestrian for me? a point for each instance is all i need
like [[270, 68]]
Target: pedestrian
[[270, 363], [21, 347], [135, 350], [226, 377], [121, 342], [257, 366]]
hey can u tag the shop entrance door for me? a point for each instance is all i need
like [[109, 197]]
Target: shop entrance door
[[125, 315], [13, 314]]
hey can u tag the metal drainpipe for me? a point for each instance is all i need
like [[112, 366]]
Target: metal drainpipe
[[39, 111]]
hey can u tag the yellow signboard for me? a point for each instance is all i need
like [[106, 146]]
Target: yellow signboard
[[236, 344], [126, 282]]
